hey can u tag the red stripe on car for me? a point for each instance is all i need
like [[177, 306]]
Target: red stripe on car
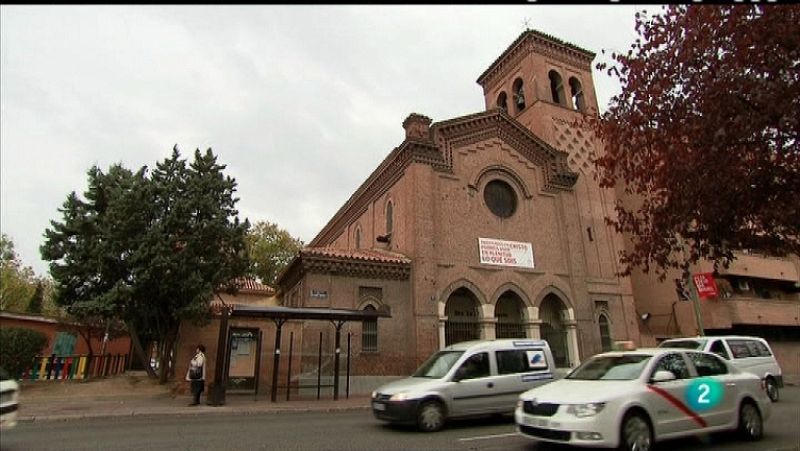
[[677, 403]]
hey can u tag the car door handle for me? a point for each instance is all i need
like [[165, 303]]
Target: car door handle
[[490, 385], [730, 384]]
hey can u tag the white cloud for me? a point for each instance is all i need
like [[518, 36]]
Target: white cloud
[[301, 102]]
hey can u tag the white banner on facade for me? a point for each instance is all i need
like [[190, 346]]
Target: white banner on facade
[[505, 253]]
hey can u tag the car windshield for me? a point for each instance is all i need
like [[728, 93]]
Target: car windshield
[[439, 364], [683, 344], [611, 367]]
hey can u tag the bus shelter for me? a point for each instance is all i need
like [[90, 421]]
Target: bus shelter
[[279, 315]]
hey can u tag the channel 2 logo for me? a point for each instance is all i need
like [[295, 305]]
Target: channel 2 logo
[[704, 393]]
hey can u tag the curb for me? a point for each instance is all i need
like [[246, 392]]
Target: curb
[[227, 410]]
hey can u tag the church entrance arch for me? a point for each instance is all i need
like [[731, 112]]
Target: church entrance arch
[[462, 314], [508, 312], [552, 313]]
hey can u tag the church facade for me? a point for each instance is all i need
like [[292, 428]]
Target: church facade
[[481, 226]]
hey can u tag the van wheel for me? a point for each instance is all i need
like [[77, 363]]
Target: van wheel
[[751, 426], [431, 416], [635, 433], [772, 390]]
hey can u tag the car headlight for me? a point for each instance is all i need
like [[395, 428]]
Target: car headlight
[[399, 397], [586, 410]]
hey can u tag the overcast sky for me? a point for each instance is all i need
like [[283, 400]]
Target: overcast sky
[[300, 102]]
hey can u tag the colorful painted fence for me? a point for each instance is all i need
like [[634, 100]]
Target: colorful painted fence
[[55, 367]]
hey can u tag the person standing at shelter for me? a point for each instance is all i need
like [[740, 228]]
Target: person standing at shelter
[[196, 374]]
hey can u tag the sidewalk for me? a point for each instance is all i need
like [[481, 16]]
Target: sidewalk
[[135, 394]]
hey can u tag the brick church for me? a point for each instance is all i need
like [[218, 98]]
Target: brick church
[[481, 226]]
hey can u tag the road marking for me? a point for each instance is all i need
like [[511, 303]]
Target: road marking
[[484, 437]]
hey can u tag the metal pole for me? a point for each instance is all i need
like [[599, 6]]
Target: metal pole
[[696, 304], [217, 389], [319, 365], [289, 373], [258, 363], [347, 390], [276, 360], [336, 361]]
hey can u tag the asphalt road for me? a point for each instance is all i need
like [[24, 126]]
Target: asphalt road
[[354, 430]]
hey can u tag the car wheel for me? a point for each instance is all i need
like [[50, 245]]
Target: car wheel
[[431, 416], [635, 434], [772, 390], [751, 427]]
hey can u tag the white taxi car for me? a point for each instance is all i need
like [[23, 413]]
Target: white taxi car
[[631, 399]]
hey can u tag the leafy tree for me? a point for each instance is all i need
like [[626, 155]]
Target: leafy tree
[[271, 249], [149, 249], [18, 347], [36, 303], [704, 135], [16, 280]]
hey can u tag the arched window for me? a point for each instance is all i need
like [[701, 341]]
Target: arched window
[[557, 88], [358, 238], [605, 332], [519, 94], [576, 90], [502, 101], [389, 219], [369, 332]]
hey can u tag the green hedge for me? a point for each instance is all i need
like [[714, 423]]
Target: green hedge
[[18, 347]]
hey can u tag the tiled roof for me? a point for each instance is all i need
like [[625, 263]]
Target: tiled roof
[[539, 34], [250, 284], [369, 255]]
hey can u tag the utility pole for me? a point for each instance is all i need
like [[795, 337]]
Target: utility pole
[[696, 303]]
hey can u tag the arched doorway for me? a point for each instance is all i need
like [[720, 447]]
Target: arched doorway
[[551, 312], [508, 312], [462, 317]]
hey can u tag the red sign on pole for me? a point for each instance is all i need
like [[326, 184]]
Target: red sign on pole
[[706, 287]]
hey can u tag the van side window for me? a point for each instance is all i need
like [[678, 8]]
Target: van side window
[[520, 361], [707, 365], [718, 348], [763, 350], [740, 350], [477, 365]]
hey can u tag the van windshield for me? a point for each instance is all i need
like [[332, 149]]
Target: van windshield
[[438, 365]]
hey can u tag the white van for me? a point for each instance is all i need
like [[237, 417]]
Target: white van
[[466, 379], [750, 354]]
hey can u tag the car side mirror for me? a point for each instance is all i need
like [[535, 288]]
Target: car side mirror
[[663, 376]]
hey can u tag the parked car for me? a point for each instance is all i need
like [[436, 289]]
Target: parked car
[[465, 379], [9, 400], [751, 354], [631, 399]]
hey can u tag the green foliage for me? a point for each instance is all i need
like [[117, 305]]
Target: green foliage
[[149, 249], [271, 249], [18, 347], [37, 300], [16, 280]]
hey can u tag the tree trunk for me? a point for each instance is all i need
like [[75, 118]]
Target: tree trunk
[[137, 347], [168, 354]]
